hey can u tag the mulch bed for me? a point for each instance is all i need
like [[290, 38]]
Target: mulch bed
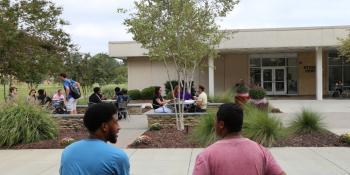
[[54, 143], [172, 138]]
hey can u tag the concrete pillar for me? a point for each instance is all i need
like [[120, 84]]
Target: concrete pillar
[[319, 79], [211, 76]]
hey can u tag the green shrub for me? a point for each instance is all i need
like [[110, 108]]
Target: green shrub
[[307, 121], [155, 127], [345, 138], [257, 93], [134, 94], [204, 133], [226, 97], [108, 92], [25, 123], [168, 87], [242, 89], [147, 93], [261, 127]]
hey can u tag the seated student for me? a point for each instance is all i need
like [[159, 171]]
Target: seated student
[[245, 156], [58, 96], [31, 98], [43, 99], [12, 96], [159, 103], [96, 97], [201, 100], [94, 155]]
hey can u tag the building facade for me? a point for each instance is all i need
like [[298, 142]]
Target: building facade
[[284, 61]]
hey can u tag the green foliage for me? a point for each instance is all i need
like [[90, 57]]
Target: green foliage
[[204, 133], [345, 138], [108, 91], [33, 44], [344, 48], [25, 123], [307, 121], [135, 94], [261, 127], [147, 93], [155, 127], [257, 93], [226, 97], [242, 89], [168, 86]]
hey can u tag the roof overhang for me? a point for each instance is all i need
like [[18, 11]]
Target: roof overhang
[[258, 40]]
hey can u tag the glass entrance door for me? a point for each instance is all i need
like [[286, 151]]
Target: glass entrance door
[[274, 80]]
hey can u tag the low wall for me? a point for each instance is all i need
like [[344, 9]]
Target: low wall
[[134, 109], [169, 119], [67, 121], [213, 106]]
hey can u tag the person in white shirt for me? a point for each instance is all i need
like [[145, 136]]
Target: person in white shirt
[[201, 100], [58, 96]]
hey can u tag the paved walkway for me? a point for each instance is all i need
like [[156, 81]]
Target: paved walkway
[[295, 161], [324, 106], [131, 128]]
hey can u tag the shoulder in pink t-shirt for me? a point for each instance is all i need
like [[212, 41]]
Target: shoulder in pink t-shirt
[[237, 156]]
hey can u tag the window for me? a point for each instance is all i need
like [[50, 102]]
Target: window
[[339, 70]]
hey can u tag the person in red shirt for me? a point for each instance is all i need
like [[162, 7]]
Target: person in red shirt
[[234, 154]]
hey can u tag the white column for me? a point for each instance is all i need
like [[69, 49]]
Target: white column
[[319, 81], [211, 75]]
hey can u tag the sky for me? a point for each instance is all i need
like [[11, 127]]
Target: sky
[[93, 23]]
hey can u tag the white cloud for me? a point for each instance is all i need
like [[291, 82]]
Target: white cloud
[[95, 22]]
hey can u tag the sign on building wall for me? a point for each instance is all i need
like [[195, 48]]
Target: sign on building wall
[[309, 68]]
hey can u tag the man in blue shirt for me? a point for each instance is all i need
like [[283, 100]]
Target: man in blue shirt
[[71, 102], [94, 155]]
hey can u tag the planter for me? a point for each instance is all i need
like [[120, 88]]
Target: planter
[[242, 98], [262, 104]]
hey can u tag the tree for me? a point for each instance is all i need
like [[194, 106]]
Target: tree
[[344, 48], [180, 33], [32, 41]]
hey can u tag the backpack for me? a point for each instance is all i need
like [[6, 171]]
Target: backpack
[[74, 90]]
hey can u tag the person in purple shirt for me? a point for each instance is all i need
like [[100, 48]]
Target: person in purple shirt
[[234, 154]]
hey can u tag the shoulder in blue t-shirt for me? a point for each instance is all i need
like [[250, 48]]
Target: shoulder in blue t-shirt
[[93, 156]]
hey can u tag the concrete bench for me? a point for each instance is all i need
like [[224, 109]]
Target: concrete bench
[[213, 106], [169, 119]]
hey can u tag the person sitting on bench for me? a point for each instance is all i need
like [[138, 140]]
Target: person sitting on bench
[[159, 104]]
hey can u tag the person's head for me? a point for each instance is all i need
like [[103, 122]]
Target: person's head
[[97, 90], [59, 91], [13, 90], [62, 76], [157, 90], [229, 119], [101, 122], [41, 92], [124, 91], [200, 89], [32, 92], [117, 90]]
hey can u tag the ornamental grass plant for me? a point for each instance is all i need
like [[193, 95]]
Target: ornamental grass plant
[[25, 123], [307, 121]]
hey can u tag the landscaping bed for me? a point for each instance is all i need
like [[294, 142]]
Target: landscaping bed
[[54, 143], [172, 138]]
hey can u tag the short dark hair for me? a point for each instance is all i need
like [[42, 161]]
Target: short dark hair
[[232, 116], [201, 87], [41, 91], [12, 89], [63, 75], [117, 89], [97, 114], [97, 89]]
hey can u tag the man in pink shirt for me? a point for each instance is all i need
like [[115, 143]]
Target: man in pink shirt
[[234, 154]]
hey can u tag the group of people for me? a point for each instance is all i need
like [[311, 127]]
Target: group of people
[[232, 154], [197, 103], [121, 96]]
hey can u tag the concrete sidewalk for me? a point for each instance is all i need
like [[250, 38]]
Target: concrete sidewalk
[[131, 129], [324, 106], [295, 161]]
